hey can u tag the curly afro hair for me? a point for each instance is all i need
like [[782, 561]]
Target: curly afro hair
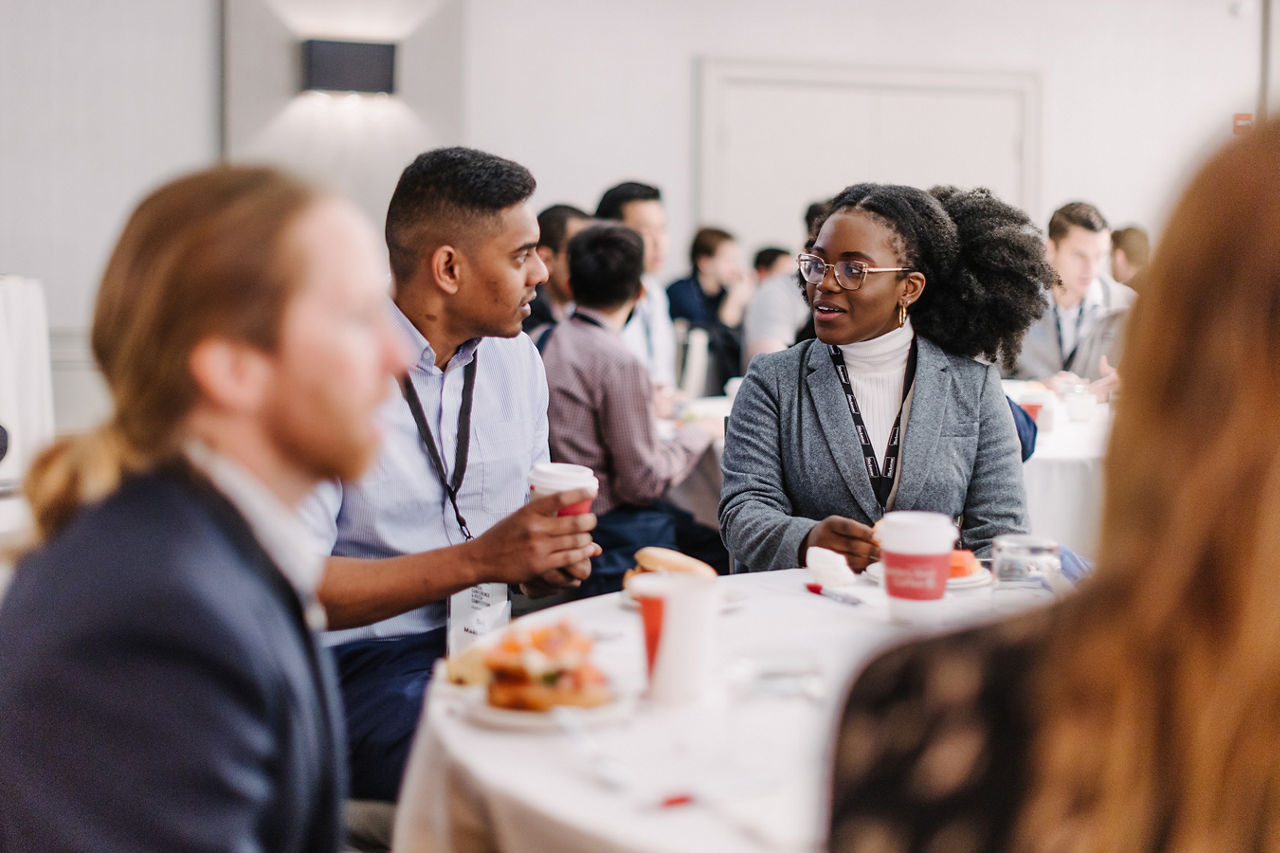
[[987, 277]]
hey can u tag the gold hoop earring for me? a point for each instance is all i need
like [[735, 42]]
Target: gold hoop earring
[[902, 314]]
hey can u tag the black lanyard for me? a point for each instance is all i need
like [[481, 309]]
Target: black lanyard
[[451, 487], [1067, 358], [578, 315], [881, 484]]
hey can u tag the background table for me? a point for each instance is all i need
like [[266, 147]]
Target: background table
[[699, 493], [1064, 476], [757, 762]]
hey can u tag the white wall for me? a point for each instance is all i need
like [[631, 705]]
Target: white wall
[[355, 143], [98, 103], [590, 92], [101, 101]]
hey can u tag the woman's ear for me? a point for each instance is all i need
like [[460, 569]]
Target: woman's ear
[[912, 287]]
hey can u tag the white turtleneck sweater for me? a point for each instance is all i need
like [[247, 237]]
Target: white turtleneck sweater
[[877, 369]]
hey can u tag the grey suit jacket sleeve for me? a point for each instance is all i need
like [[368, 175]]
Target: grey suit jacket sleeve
[[995, 502], [756, 513]]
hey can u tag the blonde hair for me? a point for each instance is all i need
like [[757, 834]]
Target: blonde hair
[[1159, 699], [199, 256]]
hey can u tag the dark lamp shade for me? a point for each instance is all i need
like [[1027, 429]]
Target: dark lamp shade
[[348, 66]]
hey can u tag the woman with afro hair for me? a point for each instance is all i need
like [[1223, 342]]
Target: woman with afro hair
[[897, 404]]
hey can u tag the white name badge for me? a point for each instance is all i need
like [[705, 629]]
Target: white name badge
[[474, 612]]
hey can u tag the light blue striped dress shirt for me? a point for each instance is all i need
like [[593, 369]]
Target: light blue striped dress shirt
[[399, 506]]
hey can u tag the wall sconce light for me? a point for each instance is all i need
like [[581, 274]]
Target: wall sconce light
[[348, 66]]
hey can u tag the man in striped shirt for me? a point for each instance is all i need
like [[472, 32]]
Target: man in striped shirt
[[443, 508]]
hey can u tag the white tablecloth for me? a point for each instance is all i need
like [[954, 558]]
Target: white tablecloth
[[756, 762], [699, 493], [1064, 476]]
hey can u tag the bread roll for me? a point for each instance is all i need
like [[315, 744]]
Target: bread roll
[[654, 559]]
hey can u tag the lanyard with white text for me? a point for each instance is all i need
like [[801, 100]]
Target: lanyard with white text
[[451, 487], [881, 484]]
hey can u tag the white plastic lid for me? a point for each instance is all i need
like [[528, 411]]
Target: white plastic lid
[[913, 532], [551, 477]]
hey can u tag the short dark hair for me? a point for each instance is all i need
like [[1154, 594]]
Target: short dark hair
[[554, 222], [814, 215], [706, 242], [1134, 242], [616, 198], [986, 274], [444, 196], [1078, 213], [768, 256], [605, 264]]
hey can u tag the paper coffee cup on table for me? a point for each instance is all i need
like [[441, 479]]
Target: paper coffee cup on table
[[549, 478], [915, 548], [1033, 400], [678, 612]]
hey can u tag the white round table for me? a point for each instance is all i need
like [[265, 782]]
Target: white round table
[[1063, 477], [754, 759]]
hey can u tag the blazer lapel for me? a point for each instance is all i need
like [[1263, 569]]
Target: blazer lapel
[[837, 427], [929, 401]]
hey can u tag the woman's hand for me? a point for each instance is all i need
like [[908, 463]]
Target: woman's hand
[[845, 536]]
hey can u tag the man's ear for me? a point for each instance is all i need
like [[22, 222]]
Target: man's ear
[[445, 263], [230, 375], [1050, 249]]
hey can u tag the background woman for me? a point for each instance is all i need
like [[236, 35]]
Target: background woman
[[1142, 714], [906, 288]]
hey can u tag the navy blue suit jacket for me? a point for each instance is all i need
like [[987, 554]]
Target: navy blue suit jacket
[[159, 688]]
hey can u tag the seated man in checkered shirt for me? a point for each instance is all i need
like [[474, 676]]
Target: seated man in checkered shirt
[[600, 414]]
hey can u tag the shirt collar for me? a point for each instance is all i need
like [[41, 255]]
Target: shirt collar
[[426, 355], [599, 317], [277, 528], [1094, 298]]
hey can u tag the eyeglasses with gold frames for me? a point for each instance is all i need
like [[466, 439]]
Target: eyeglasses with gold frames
[[849, 275]]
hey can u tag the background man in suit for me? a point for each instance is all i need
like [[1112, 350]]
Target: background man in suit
[[1079, 338], [160, 686]]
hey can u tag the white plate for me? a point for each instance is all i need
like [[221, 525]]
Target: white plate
[[875, 574], [480, 712], [730, 599]]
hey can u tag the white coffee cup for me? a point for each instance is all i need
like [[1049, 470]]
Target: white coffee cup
[[915, 548], [550, 478], [678, 612]]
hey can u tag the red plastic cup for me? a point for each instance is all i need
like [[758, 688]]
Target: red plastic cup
[[678, 612]]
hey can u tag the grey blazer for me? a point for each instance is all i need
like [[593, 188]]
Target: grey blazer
[[791, 457], [1042, 356]]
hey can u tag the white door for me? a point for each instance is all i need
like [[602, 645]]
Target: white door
[[775, 137]]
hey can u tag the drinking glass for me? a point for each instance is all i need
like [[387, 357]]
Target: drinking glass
[[1027, 569]]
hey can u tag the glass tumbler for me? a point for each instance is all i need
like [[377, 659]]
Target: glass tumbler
[[1027, 569]]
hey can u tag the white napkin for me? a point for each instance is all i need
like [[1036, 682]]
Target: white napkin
[[828, 568]]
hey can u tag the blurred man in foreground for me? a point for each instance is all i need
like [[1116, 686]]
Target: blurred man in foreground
[[160, 687]]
